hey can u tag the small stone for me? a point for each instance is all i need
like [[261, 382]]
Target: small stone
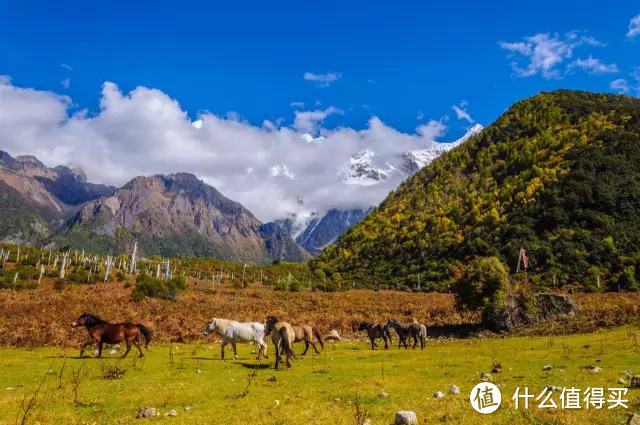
[[496, 370], [198, 371], [187, 408], [112, 352], [553, 388], [271, 379], [486, 377], [634, 419], [146, 412], [10, 388], [547, 367], [595, 370], [286, 397], [383, 394], [171, 413], [622, 381], [635, 382], [337, 399], [454, 390], [406, 417], [447, 417], [277, 403], [438, 395], [367, 422]]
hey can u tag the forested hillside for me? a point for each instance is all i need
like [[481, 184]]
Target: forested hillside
[[557, 174]]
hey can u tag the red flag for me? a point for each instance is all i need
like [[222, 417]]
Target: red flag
[[525, 260]]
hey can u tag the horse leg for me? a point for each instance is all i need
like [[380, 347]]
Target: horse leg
[[386, 346], [137, 344], [415, 342], [85, 345], [100, 349], [314, 347], [128, 348], [235, 351], [277, 347], [306, 347], [224, 344]]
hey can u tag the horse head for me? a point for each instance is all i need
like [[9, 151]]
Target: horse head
[[364, 326], [211, 327], [269, 324], [87, 319]]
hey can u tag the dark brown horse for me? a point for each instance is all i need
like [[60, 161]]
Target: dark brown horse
[[379, 330], [102, 332], [282, 336], [406, 331]]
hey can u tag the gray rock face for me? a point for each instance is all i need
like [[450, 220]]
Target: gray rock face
[[406, 417]]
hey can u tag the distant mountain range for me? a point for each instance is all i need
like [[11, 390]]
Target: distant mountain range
[[167, 215], [176, 214]]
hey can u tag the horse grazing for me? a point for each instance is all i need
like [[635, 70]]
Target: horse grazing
[[306, 333], [282, 336], [379, 330], [406, 331], [102, 332], [232, 331]]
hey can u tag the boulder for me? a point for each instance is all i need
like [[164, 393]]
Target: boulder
[[406, 417], [454, 390], [146, 412], [333, 336]]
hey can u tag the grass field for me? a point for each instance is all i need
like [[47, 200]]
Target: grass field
[[319, 389]]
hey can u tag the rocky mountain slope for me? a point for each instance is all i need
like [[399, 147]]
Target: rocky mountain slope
[[557, 174]]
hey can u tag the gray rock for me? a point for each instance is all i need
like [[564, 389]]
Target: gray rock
[[406, 417], [553, 388], [486, 377], [547, 367], [171, 413], [146, 412], [383, 394], [367, 422], [622, 381], [595, 369], [438, 395], [454, 390]]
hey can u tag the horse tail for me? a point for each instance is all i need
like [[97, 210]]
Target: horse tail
[[146, 333], [286, 344], [318, 336]]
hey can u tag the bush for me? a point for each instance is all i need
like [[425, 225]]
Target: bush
[[147, 286], [480, 280]]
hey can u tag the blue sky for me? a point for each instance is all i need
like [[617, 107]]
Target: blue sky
[[396, 58], [228, 91]]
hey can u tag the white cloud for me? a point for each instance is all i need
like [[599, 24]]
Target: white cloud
[[620, 85], [322, 80], [592, 65], [65, 83], [297, 104], [634, 26], [309, 121], [145, 132], [543, 53], [67, 67], [462, 113]]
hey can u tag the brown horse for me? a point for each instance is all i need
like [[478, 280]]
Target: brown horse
[[282, 336], [379, 330], [102, 332], [306, 333]]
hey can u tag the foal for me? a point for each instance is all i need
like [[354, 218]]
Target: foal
[[379, 330], [102, 332]]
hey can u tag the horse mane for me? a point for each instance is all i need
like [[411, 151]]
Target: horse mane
[[91, 320], [365, 325]]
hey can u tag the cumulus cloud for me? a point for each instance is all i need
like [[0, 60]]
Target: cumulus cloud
[[543, 53], [322, 80], [620, 85], [634, 26], [265, 167], [592, 65]]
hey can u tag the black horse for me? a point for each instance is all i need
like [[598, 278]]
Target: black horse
[[379, 330], [406, 331]]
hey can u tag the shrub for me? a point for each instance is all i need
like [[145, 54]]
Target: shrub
[[480, 280], [147, 286]]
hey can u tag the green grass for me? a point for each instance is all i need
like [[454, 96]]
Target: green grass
[[175, 376]]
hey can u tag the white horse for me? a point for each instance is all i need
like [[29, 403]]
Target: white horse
[[232, 331]]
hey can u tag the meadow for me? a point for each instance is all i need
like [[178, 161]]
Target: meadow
[[342, 385]]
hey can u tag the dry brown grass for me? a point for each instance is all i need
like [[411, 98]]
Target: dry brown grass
[[43, 316]]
